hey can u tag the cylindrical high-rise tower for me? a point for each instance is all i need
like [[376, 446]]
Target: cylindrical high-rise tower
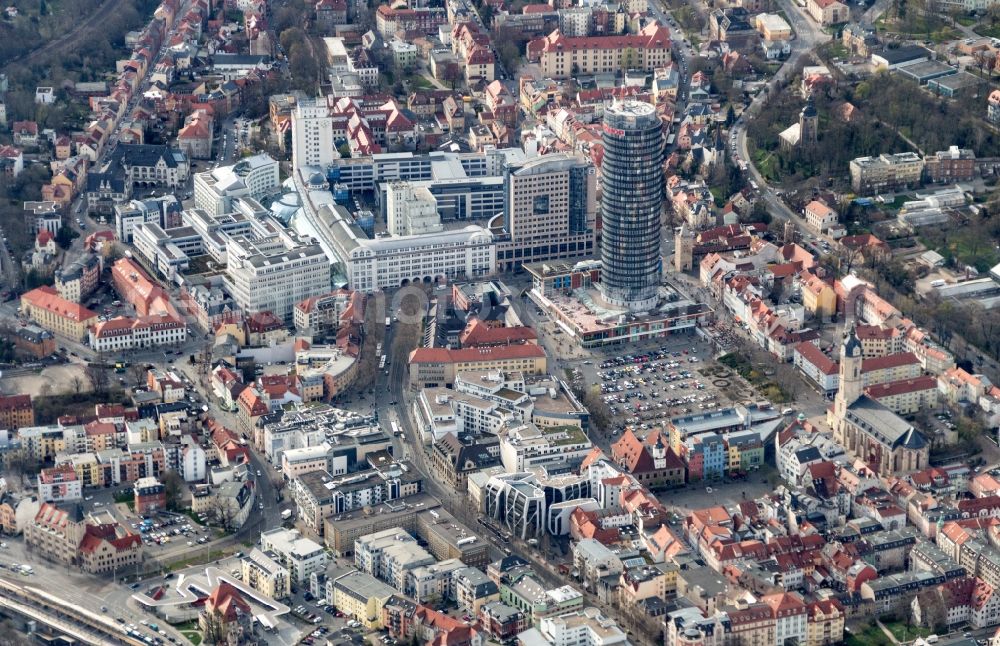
[[631, 202]]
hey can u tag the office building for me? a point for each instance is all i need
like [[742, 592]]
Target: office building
[[411, 210], [431, 367], [254, 177], [393, 261], [16, 411], [631, 205], [274, 272], [549, 210], [64, 318]]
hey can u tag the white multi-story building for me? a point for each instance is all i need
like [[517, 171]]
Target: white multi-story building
[[274, 272], [411, 210], [253, 177], [192, 461], [393, 261], [587, 627], [131, 214], [312, 135], [302, 556], [59, 484], [124, 333], [529, 446], [391, 555]]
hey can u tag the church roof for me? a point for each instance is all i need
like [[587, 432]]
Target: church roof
[[883, 424]]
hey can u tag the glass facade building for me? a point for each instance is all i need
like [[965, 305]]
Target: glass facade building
[[631, 205]]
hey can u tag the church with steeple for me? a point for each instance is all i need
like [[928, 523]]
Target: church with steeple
[[869, 431]]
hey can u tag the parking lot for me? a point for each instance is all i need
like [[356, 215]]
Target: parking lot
[[166, 528], [645, 385], [650, 387]]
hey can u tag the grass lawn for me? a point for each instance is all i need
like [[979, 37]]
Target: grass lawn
[[966, 21], [758, 378], [965, 244], [993, 31], [836, 49], [905, 633], [214, 555], [869, 636], [419, 82], [192, 636], [766, 163], [899, 201]]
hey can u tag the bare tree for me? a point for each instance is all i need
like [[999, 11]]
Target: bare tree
[[174, 486], [224, 512], [77, 382], [97, 374], [138, 373]]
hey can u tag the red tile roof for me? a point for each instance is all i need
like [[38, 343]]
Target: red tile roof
[[47, 298], [925, 382], [477, 333], [15, 403], [889, 361], [815, 356], [227, 601]]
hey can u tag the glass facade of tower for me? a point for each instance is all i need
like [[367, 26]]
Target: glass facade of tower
[[631, 203]]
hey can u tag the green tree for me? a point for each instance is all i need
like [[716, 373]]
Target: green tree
[[66, 236]]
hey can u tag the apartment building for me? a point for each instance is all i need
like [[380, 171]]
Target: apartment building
[[560, 56], [886, 173], [389, 555], [16, 411], [422, 21], [550, 210], [359, 595], [324, 313], [301, 556], [906, 396], [274, 272], [78, 279], [64, 318], [952, 165], [262, 572], [59, 484]]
